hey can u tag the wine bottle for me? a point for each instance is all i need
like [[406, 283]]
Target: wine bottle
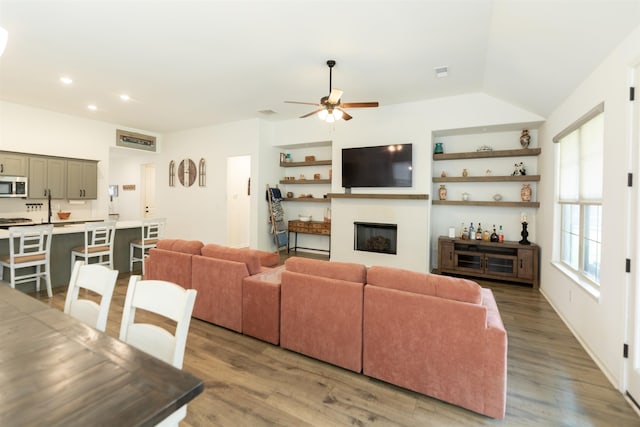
[[500, 236], [494, 236], [472, 232], [479, 232]]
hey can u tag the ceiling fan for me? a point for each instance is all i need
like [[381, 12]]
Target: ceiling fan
[[331, 107]]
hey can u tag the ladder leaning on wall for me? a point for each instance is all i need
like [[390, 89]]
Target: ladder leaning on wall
[[276, 218]]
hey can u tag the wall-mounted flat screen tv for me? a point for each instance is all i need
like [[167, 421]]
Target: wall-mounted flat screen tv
[[379, 166]]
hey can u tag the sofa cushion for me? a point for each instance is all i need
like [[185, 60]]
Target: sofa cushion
[[347, 271], [191, 247], [425, 283], [251, 257]]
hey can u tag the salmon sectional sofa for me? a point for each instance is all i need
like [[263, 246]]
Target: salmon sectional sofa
[[436, 335]]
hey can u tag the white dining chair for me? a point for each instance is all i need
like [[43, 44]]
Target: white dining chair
[[98, 243], [95, 278], [29, 249], [170, 301], [152, 231]]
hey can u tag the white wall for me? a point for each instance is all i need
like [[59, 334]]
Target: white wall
[[598, 323], [200, 212]]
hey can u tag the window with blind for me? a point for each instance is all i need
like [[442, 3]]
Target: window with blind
[[580, 196]]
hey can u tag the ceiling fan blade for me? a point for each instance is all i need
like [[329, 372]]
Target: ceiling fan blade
[[359, 104], [312, 113], [334, 96], [304, 103], [345, 115]]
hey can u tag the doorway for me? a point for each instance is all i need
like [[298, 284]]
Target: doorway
[[149, 195], [633, 317], [238, 201]]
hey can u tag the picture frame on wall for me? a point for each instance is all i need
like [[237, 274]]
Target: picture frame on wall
[[135, 140]]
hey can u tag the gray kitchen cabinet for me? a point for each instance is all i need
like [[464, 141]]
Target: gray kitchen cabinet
[[12, 164], [82, 179], [47, 174]]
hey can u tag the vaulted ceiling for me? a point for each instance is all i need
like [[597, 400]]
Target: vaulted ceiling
[[187, 64]]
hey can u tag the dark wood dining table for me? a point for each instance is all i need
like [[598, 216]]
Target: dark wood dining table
[[57, 371]]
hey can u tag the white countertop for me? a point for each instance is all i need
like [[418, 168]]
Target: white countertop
[[72, 226]]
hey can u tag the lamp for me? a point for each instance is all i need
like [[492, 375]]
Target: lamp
[[4, 35]]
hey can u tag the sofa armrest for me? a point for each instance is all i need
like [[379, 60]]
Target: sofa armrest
[[261, 305]]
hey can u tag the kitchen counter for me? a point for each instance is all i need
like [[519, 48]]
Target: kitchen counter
[[69, 234]]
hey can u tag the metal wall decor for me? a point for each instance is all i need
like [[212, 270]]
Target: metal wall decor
[[172, 173], [202, 173], [187, 172]]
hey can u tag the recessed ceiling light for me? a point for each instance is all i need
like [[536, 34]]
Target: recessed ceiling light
[[442, 71], [92, 107], [66, 80], [125, 97]]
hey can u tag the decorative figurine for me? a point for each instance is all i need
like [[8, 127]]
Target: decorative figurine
[[525, 138], [443, 174], [519, 169], [465, 172]]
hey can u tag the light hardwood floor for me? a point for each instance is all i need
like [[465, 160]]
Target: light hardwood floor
[[551, 380]]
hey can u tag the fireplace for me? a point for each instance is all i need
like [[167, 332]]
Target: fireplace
[[375, 237]]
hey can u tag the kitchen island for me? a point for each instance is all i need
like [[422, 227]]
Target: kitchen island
[[69, 234]]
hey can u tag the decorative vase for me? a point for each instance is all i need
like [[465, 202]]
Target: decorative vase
[[525, 193], [438, 148], [465, 172], [442, 192], [525, 139]]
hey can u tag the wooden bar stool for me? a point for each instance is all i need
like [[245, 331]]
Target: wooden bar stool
[[98, 242], [152, 231], [33, 250]]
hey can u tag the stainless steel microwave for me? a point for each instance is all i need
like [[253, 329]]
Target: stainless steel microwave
[[13, 186]]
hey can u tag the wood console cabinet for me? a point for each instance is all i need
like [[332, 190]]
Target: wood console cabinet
[[308, 227], [508, 261]]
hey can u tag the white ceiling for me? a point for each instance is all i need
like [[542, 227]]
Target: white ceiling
[[189, 63]]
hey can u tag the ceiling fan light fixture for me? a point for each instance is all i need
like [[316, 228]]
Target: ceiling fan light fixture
[[323, 114], [330, 118], [337, 114]]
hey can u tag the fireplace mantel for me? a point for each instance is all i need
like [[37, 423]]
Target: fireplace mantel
[[377, 196]]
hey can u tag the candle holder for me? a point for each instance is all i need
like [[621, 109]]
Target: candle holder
[[524, 234]]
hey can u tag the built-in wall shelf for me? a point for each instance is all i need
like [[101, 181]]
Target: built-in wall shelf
[[305, 181], [310, 163], [378, 196], [487, 203], [491, 178], [306, 199], [488, 154]]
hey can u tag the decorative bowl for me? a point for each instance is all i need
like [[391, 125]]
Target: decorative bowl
[[64, 215], [497, 197], [304, 218]]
